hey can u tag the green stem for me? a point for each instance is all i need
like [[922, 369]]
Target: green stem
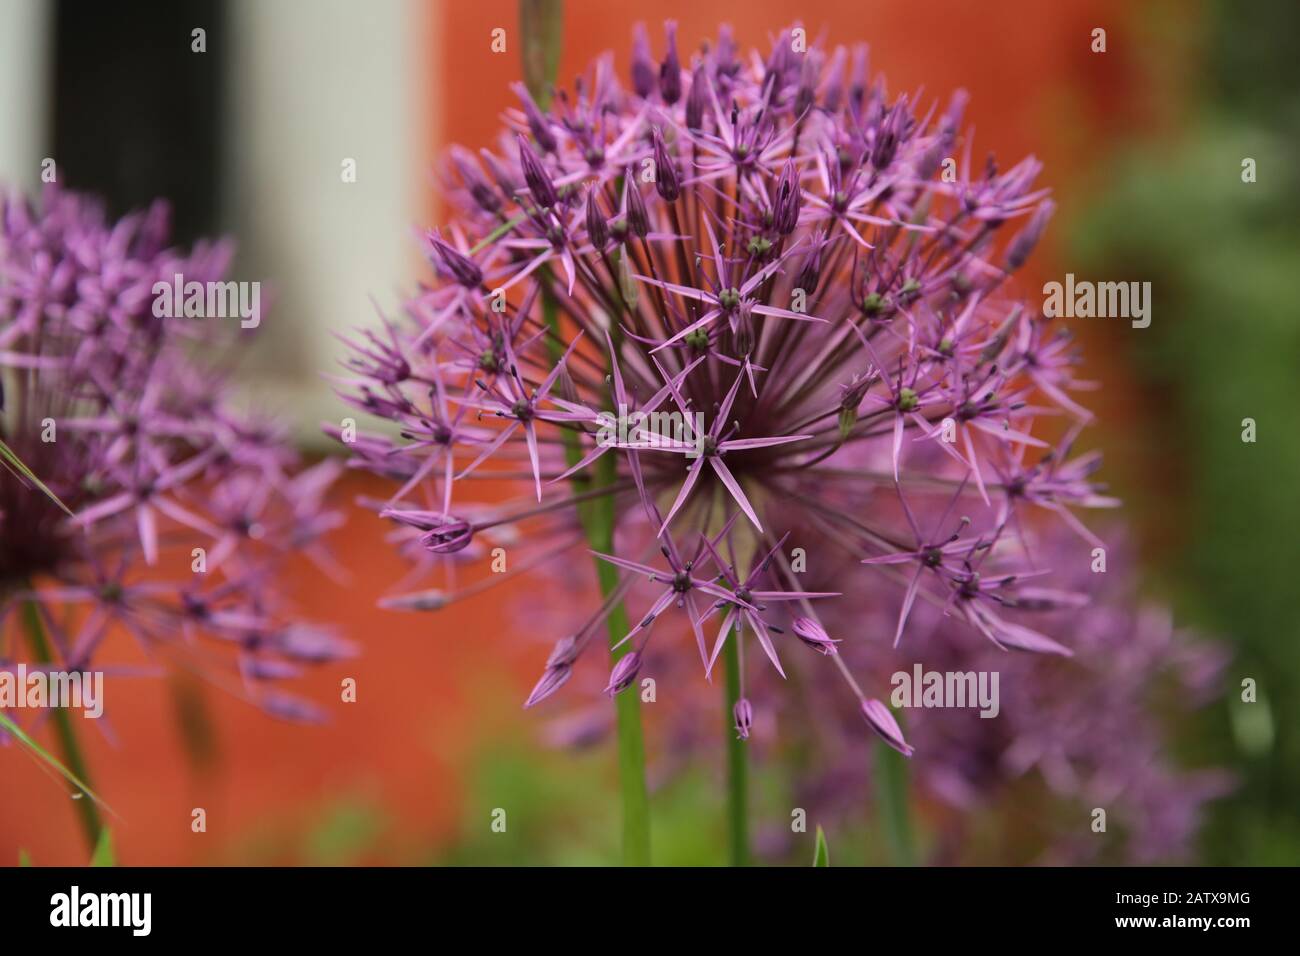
[[891, 800], [631, 743], [737, 758], [63, 728], [598, 520]]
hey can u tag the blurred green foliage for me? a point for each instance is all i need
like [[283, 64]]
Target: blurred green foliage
[[1223, 256], [561, 810]]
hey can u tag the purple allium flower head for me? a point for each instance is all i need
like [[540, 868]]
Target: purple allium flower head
[[799, 347], [183, 509], [1082, 732]]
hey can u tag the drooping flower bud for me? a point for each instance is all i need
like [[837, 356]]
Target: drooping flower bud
[[552, 679], [814, 635], [450, 538], [880, 720], [443, 533], [743, 713], [624, 673]]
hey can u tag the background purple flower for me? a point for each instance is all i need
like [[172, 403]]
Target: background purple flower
[[183, 504]]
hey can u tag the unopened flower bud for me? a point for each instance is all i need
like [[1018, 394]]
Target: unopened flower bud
[[743, 713], [788, 199], [638, 220], [480, 190], [670, 73], [1024, 242], [536, 178], [667, 180], [880, 720], [538, 124], [814, 635], [597, 227], [624, 673], [552, 679], [443, 533], [697, 100], [459, 266], [643, 67]]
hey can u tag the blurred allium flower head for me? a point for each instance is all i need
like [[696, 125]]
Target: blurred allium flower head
[[182, 507], [1069, 735], [737, 299]]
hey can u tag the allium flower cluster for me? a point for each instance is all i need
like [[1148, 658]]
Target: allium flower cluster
[[180, 508], [742, 300]]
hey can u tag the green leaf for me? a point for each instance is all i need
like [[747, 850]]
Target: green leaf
[[42, 754], [24, 858], [822, 856], [104, 855], [14, 464]]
